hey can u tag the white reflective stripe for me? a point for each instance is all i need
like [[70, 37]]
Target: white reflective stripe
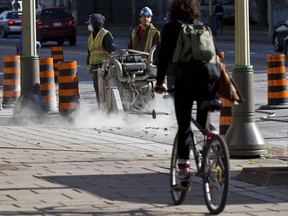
[[98, 52], [100, 37]]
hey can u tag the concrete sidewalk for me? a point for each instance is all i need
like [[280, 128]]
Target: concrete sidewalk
[[115, 165]]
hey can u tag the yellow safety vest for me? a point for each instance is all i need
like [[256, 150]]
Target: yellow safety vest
[[149, 40], [97, 51]]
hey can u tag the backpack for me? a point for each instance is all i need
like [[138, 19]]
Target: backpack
[[194, 42]]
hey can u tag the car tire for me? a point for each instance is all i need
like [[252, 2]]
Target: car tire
[[60, 42], [3, 33], [72, 41], [276, 43]]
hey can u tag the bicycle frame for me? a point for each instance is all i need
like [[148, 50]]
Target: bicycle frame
[[207, 134]]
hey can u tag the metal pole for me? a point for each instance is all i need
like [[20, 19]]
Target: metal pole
[[243, 136], [29, 104]]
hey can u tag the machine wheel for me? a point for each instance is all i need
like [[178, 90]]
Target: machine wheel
[[154, 114]]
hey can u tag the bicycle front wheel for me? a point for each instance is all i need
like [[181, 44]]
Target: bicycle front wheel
[[178, 196], [217, 174]]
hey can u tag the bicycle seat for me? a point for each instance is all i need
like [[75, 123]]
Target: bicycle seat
[[211, 105]]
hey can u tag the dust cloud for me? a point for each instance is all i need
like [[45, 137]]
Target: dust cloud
[[89, 116]]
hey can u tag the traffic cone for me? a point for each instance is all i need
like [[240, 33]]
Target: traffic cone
[[11, 81], [69, 92], [58, 56], [276, 83], [47, 83]]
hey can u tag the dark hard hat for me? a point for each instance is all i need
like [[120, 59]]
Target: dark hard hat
[[97, 20]]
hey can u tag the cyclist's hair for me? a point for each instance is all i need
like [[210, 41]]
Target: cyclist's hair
[[185, 10]]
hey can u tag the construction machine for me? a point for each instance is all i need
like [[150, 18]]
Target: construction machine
[[126, 82]]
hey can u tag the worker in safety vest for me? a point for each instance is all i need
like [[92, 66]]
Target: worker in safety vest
[[100, 45], [144, 36]]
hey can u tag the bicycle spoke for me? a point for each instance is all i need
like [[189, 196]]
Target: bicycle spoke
[[216, 182]]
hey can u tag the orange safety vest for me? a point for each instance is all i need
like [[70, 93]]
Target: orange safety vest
[[96, 48]]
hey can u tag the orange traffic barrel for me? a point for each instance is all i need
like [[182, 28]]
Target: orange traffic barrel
[[58, 56], [222, 54], [47, 83], [69, 92], [225, 119], [11, 80], [277, 93]]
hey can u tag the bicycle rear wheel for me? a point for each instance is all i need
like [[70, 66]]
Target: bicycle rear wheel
[[178, 196], [217, 174]]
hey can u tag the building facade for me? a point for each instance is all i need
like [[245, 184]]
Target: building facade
[[126, 11]]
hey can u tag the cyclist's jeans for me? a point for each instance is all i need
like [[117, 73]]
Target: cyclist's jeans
[[184, 96]]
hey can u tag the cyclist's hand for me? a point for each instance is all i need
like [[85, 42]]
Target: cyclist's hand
[[160, 89]]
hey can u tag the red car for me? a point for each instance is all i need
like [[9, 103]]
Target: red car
[[56, 24]]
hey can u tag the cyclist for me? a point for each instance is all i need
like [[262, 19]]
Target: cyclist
[[191, 84], [219, 13]]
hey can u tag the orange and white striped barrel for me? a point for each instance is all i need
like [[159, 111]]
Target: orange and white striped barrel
[[225, 119], [277, 94], [58, 56], [11, 80], [69, 92], [47, 83]]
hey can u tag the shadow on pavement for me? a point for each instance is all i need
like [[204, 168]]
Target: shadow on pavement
[[150, 188]]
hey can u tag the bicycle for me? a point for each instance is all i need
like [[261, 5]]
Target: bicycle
[[212, 165]]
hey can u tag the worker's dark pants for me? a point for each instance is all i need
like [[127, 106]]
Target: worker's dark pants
[[95, 81]]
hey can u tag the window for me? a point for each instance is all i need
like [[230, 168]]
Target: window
[[55, 14], [14, 15]]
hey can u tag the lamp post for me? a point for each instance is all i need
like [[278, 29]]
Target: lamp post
[[29, 105], [243, 136]]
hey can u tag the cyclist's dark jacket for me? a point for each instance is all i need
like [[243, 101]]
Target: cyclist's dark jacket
[[194, 76]]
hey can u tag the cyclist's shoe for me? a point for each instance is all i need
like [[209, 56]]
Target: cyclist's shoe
[[184, 176]]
